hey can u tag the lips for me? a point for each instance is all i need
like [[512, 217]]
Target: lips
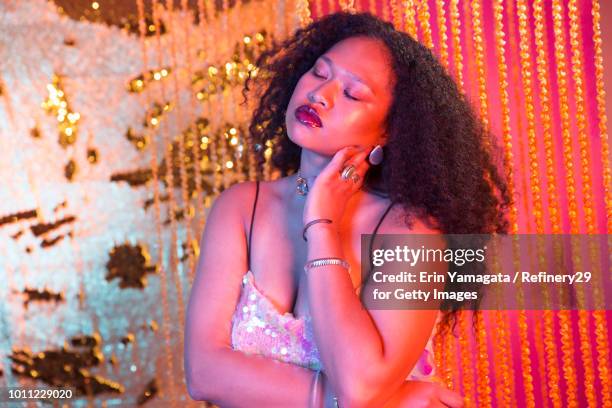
[[308, 116]]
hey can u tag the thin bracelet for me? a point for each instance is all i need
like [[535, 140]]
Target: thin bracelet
[[318, 220], [326, 261]]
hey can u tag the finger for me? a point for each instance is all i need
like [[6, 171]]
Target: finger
[[361, 163], [450, 398], [358, 160], [343, 155]]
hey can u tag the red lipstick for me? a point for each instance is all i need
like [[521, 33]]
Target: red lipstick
[[308, 116]]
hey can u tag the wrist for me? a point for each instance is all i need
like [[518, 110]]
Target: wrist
[[314, 229], [321, 224]]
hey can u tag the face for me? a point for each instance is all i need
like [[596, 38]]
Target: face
[[343, 99]]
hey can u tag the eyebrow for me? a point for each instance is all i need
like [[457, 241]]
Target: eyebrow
[[353, 76]]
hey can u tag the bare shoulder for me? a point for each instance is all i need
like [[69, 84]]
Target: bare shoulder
[[399, 221], [234, 201], [236, 194], [238, 200]]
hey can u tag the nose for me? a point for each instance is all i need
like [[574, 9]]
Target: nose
[[317, 98], [323, 96]]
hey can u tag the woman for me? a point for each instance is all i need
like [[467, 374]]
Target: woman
[[372, 135]]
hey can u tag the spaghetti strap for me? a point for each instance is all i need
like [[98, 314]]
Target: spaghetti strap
[[374, 235], [250, 242]]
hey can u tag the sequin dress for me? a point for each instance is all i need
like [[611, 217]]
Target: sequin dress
[[259, 328]]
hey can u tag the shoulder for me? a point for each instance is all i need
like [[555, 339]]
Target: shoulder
[[234, 201], [236, 195], [408, 229], [270, 191], [402, 221], [240, 197]]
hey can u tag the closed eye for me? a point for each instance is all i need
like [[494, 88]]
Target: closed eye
[[316, 74], [348, 95], [346, 92]]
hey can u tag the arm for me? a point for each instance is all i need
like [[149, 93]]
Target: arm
[[424, 394], [232, 379], [367, 354], [215, 372]]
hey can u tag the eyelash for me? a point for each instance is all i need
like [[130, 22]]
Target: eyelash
[[349, 96]]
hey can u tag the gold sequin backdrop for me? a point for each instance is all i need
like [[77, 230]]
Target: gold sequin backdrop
[[120, 122]]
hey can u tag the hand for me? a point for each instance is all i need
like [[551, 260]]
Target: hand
[[329, 194], [422, 394]]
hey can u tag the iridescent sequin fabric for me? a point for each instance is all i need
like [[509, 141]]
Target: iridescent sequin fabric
[[259, 328]]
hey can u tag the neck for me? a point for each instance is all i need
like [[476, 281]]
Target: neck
[[312, 164]]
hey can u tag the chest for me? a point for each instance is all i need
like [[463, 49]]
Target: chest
[[278, 255]]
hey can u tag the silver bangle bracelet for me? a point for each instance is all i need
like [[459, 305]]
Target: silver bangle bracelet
[[313, 222], [326, 261]]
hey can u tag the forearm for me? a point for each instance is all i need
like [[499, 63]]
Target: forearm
[[349, 343], [230, 378]]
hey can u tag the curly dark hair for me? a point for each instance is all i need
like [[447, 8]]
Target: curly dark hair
[[438, 158]]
